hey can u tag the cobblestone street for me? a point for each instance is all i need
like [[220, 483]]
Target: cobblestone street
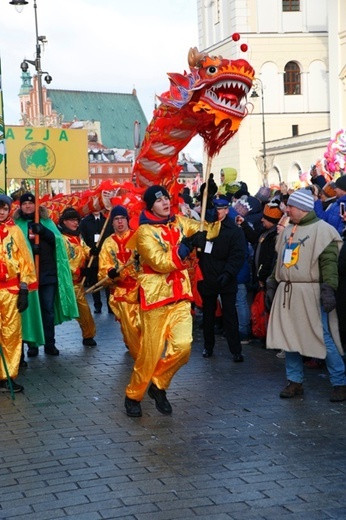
[[231, 450]]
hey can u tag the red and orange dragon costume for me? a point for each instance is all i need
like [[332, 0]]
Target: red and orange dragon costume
[[209, 101]]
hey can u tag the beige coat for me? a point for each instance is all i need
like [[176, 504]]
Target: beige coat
[[295, 317]]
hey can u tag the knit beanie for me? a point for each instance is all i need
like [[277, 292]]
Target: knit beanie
[[68, 214], [272, 212], [341, 183], [153, 193], [328, 190], [119, 211], [26, 197], [6, 199], [301, 199]]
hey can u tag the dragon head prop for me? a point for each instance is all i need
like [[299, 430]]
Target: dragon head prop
[[215, 93]]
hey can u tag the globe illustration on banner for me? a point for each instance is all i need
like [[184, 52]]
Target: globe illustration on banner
[[37, 160]]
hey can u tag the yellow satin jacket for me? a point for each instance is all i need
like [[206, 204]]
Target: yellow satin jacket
[[78, 254], [16, 263], [115, 253], [165, 277]]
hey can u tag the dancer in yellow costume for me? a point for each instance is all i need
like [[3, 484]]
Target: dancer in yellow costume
[[164, 241], [17, 272], [123, 300], [78, 255]]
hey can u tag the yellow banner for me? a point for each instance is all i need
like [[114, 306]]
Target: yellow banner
[[46, 153]]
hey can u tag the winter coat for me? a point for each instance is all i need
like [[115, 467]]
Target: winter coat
[[295, 323], [264, 250], [332, 214], [227, 256]]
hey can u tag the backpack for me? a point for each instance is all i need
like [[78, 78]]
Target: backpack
[[259, 315]]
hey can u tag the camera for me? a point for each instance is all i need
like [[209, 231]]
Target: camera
[[342, 209]]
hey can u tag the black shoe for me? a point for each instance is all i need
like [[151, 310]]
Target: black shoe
[[133, 407], [207, 352], [5, 386], [89, 342], [51, 351], [161, 401], [32, 352], [238, 358], [97, 311]]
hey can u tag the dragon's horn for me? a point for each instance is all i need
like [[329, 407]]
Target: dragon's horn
[[194, 56]]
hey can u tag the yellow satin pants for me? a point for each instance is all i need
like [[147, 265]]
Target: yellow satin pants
[[10, 333], [85, 320], [128, 316], [165, 347]]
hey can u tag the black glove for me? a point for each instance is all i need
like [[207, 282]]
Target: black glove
[[212, 191], [189, 243], [271, 286], [196, 240], [94, 251], [328, 298], [85, 271], [223, 280], [23, 298], [36, 228], [36, 249], [113, 273]]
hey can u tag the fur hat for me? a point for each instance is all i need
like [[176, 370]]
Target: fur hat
[[341, 183], [68, 214], [6, 199], [119, 211], [153, 193], [301, 199], [27, 197], [272, 212]]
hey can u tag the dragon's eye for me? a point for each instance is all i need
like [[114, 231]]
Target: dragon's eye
[[212, 70]]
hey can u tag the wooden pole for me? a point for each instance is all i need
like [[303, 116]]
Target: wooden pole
[[37, 220], [205, 194], [99, 285]]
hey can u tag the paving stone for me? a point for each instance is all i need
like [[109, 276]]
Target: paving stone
[[232, 449]]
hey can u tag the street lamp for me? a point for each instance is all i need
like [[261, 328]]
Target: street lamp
[[40, 40], [265, 162]]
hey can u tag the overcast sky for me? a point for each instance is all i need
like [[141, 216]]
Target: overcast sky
[[103, 45]]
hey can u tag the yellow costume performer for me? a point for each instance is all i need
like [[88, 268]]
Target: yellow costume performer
[[123, 300], [78, 254], [17, 273], [163, 242]]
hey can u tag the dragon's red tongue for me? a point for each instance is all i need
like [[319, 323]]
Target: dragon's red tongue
[[229, 96]]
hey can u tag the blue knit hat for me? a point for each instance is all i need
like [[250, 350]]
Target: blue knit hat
[[119, 211], [5, 199]]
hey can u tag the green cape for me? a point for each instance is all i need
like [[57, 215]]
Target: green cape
[[65, 304]]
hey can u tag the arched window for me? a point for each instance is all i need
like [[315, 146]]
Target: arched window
[[290, 5], [292, 78]]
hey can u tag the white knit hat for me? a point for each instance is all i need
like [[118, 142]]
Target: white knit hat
[[301, 199]]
